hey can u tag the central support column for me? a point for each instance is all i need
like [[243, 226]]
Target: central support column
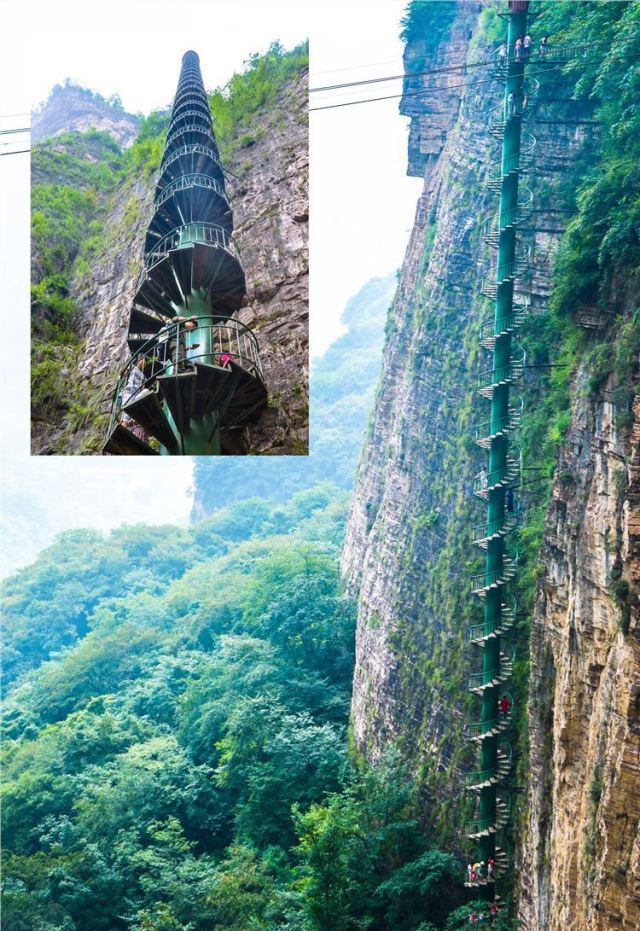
[[495, 596]]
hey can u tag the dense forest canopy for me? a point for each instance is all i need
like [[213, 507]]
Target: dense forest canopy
[[175, 738]]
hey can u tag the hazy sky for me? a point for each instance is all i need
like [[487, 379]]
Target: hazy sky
[[362, 204]]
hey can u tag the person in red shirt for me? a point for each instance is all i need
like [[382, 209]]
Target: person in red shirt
[[504, 705]]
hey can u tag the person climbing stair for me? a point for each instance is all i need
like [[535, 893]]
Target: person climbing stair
[[132, 389], [175, 346], [504, 705], [226, 358], [509, 500]]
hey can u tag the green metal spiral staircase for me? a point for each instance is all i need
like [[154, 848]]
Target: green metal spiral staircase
[[201, 372], [487, 784]]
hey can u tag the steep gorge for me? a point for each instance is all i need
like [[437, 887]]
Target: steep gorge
[[408, 555]]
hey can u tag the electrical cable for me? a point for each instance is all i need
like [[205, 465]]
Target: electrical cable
[[420, 93], [406, 74], [5, 132], [18, 152], [436, 90], [371, 64], [448, 68]]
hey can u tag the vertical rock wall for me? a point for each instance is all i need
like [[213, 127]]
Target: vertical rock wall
[[392, 536], [581, 850], [408, 554]]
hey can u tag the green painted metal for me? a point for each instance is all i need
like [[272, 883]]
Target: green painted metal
[[507, 364]]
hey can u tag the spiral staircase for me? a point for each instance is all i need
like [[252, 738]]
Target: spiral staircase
[[201, 371], [489, 735]]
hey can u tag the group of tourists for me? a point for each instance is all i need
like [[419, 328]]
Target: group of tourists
[[170, 349], [481, 917], [476, 871], [522, 49]]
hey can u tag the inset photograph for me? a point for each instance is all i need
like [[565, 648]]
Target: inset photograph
[[170, 265]]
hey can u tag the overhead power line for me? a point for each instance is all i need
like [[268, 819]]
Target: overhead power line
[[420, 93], [370, 64], [450, 87], [18, 152], [405, 74], [455, 66]]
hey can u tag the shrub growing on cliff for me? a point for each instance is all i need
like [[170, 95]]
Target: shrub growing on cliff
[[603, 237], [233, 105]]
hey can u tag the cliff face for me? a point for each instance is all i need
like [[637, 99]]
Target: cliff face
[[268, 189], [270, 200], [76, 109], [582, 842], [394, 530], [408, 556]]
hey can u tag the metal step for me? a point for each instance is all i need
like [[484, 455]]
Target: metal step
[[141, 322], [249, 398], [480, 730], [178, 392], [499, 676], [122, 442], [479, 584], [482, 534], [476, 632], [146, 410]]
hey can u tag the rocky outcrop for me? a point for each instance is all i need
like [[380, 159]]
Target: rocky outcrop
[[267, 161], [581, 850], [72, 108]]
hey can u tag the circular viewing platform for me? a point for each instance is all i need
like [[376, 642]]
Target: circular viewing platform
[[191, 370]]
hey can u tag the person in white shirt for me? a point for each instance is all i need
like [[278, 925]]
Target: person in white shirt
[[132, 389]]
